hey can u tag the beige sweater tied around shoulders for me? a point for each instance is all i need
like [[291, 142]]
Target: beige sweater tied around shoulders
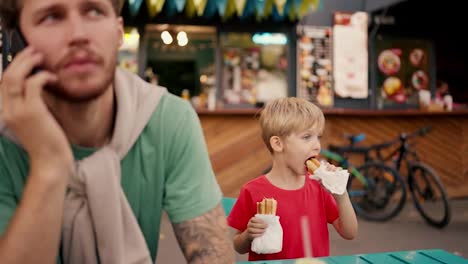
[[98, 223]]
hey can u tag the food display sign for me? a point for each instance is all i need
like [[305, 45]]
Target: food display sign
[[314, 64], [403, 69]]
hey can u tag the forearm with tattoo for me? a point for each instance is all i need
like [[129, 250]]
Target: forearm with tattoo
[[205, 239]]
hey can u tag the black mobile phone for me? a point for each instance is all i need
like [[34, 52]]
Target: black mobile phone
[[13, 43]]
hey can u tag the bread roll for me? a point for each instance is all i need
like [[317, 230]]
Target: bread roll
[[275, 205], [312, 165], [267, 206]]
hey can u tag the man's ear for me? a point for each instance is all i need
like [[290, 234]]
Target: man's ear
[[120, 31], [276, 144]]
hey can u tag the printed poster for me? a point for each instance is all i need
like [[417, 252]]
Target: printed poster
[[350, 55]]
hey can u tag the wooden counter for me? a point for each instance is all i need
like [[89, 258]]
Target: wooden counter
[[238, 153], [343, 112]]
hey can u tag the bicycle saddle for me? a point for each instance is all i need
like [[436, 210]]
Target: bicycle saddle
[[353, 139]]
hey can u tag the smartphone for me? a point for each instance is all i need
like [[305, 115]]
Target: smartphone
[[13, 43]]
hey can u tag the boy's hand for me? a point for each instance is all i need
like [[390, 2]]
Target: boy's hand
[[255, 228], [330, 167], [340, 197]]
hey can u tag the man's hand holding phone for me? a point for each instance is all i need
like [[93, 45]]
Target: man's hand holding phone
[[26, 114]]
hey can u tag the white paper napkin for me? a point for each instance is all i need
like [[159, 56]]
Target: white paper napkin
[[334, 181]]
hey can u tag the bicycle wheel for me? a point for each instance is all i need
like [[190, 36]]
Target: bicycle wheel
[[377, 191], [429, 195]]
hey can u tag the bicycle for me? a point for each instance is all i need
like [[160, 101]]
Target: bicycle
[[375, 189], [376, 185], [426, 188]]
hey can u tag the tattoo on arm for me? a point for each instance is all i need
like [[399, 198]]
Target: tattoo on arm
[[206, 238]]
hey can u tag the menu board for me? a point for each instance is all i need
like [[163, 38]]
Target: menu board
[[314, 64], [403, 69], [350, 55]]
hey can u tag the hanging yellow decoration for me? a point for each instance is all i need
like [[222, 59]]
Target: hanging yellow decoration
[[306, 6], [230, 9], [292, 11], [268, 8], [154, 7], [190, 8], [200, 6], [240, 5], [315, 4], [280, 6]]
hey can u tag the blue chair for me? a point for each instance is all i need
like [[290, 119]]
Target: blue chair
[[228, 203]]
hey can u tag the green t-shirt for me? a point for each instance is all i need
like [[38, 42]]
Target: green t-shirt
[[167, 169]]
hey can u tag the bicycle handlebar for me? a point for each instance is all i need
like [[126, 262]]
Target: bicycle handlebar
[[424, 130], [419, 133], [377, 147]]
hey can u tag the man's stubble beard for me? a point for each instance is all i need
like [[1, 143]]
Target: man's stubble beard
[[62, 93]]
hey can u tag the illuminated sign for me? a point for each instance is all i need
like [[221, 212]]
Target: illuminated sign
[[269, 39]]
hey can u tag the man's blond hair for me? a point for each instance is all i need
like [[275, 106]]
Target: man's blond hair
[[284, 116]]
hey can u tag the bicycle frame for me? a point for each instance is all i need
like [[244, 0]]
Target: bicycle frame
[[344, 163], [401, 153]]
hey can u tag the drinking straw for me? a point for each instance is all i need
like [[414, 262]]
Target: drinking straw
[[306, 237]]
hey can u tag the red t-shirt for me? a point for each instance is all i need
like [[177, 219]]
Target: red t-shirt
[[311, 200]]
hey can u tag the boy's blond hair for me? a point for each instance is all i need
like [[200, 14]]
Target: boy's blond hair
[[284, 116]]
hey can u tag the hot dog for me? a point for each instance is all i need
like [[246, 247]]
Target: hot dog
[[267, 206], [312, 164]]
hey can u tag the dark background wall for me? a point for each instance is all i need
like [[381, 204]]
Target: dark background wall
[[440, 22], [443, 22]]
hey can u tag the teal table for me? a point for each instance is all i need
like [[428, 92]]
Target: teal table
[[430, 256], [228, 203]]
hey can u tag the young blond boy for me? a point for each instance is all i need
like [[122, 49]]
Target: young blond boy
[[291, 129]]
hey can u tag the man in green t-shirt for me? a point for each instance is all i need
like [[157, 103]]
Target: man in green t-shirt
[[90, 155]]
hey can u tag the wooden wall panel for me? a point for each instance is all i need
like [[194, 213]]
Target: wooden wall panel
[[444, 148], [238, 154], [236, 150], [464, 151]]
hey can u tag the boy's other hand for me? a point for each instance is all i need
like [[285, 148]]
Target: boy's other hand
[[255, 228]]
